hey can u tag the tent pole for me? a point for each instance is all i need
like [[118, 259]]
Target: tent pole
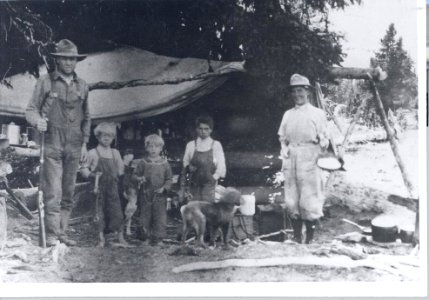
[[321, 99], [391, 137]]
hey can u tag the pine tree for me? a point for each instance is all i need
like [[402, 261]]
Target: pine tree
[[400, 87]]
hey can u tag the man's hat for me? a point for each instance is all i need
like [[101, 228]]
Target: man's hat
[[299, 80], [66, 48]]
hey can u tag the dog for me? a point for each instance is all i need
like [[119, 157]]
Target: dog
[[131, 195], [197, 214], [130, 191]]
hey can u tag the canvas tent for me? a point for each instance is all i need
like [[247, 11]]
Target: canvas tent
[[125, 64]]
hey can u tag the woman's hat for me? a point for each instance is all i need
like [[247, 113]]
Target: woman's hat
[[66, 48], [299, 80]]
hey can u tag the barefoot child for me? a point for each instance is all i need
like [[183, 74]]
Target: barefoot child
[[108, 161], [155, 175]]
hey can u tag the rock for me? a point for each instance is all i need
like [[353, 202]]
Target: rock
[[351, 237], [20, 255], [19, 242], [25, 268], [26, 237], [58, 252], [3, 223], [184, 250]]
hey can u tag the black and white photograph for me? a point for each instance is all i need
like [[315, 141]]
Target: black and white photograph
[[213, 148]]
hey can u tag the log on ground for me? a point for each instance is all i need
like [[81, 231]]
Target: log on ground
[[339, 261]]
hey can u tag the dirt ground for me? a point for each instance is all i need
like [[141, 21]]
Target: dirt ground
[[351, 195]]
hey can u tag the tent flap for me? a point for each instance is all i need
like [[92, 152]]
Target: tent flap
[[126, 64]]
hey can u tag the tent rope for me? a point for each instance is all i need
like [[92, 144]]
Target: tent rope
[[233, 67]]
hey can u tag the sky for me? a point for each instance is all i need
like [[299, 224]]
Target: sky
[[365, 25]]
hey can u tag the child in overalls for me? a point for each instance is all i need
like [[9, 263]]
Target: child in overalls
[[204, 159], [107, 161], [154, 175]]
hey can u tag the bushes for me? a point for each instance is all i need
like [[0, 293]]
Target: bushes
[[24, 168]]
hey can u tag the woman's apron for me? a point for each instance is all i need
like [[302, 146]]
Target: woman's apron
[[202, 182]]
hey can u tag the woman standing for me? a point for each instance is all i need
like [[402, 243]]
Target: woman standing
[[303, 135]]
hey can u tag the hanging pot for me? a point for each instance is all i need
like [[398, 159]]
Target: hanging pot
[[330, 162]]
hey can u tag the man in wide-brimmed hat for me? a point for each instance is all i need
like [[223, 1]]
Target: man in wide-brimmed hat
[[303, 135], [59, 108]]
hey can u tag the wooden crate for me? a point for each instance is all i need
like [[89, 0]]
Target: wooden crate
[[272, 218]]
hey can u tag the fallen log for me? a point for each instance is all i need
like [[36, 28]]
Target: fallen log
[[285, 231], [25, 192], [409, 203], [355, 253], [30, 194], [339, 261], [27, 152]]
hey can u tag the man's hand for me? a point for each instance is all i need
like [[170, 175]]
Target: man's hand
[[128, 158], [83, 153], [191, 168], [42, 125], [160, 190], [324, 143], [141, 179], [85, 172], [284, 152]]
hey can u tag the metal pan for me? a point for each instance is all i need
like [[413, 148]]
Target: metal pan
[[364, 230], [330, 163], [383, 229]]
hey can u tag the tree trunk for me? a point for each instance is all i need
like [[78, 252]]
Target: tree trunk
[[358, 73], [391, 137]]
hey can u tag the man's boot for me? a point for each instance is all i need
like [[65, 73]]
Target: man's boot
[[310, 227], [297, 230], [64, 225]]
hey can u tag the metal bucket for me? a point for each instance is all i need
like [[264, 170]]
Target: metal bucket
[[13, 133], [247, 205]]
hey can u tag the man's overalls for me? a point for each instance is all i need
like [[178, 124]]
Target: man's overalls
[[63, 107]]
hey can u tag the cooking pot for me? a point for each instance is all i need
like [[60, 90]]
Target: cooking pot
[[406, 234], [384, 229]]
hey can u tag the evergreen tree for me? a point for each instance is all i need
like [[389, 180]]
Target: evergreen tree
[[275, 37], [400, 87]]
